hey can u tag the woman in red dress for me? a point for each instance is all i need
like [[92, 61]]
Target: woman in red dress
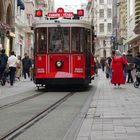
[[118, 63]]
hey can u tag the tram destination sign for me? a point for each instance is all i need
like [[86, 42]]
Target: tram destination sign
[[58, 15]]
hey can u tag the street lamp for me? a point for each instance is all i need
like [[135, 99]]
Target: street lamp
[[117, 5], [115, 24]]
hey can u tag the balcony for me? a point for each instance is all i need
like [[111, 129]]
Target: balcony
[[137, 3], [137, 17]]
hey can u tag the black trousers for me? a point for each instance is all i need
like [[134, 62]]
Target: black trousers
[[12, 74], [130, 78], [26, 71], [1, 72]]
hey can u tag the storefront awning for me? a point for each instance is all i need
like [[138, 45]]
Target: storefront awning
[[21, 4]]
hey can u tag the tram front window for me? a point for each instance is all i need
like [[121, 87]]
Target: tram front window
[[41, 40], [58, 40], [77, 39]]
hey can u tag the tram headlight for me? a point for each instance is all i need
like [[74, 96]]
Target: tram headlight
[[59, 63]]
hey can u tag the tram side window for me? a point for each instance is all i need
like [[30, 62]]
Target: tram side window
[[58, 40], [41, 37], [77, 39]]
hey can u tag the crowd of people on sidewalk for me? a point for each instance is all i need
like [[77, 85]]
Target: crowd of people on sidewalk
[[121, 68], [12, 68]]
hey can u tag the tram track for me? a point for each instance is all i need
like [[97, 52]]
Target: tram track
[[8, 105], [22, 127]]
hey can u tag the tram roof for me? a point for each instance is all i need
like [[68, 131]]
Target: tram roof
[[62, 23]]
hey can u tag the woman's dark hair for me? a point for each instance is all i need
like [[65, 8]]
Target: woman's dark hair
[[113, 52], [3, 51], [12, 53]]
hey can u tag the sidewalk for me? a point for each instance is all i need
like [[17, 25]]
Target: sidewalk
[[114, 113], [17, 88]]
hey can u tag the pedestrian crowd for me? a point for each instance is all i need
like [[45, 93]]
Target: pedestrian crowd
[[121, 68], [12, 68]]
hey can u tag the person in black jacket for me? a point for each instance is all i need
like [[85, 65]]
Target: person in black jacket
[[130, 66], [137, 60], [3, 62], [26, 64]]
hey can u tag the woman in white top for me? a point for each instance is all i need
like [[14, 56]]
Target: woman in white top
[[12, 63]]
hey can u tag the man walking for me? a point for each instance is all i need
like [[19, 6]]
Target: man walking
[[3, 63], [26, 64], [130, 66], [12, 62]]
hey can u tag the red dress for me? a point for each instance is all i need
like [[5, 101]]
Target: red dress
[[117, 70]]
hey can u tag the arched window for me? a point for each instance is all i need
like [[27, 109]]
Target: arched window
[[9, 15], [1, 11]]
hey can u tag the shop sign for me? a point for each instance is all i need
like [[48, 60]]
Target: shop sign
[[12, 34]]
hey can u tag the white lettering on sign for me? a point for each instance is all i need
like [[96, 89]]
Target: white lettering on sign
[[78, 70], [39, 58], [60, 10], [68, 15], [63, 75], [57, 15], [78, 58], [53, 15], [40, 70]]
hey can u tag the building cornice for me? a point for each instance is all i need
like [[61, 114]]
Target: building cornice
[[132, 39]]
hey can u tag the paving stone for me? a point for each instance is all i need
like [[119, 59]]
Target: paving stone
[[117, 114], [131, 129], [86, 128], [82, 138]]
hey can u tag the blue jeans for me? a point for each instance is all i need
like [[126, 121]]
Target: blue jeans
[[110, 73], [125, 72]]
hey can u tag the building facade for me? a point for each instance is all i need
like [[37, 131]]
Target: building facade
[[103, 26], [20, 24], [24, 17], [133, 14], [122, 25], [137, 22], [7, 22], [45, 5], [137, 17]]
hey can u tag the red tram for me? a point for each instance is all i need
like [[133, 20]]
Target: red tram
[[64, 52]]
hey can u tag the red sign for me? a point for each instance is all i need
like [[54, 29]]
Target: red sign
[[68, 15], [57, 15], [60, 10], [53, 15]]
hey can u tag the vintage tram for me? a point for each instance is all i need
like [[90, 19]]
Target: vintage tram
[[63, 52]]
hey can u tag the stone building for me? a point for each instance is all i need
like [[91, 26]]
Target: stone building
[[137, 23], [7, 22], [103, 24], [133, 19], [122, 25]]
